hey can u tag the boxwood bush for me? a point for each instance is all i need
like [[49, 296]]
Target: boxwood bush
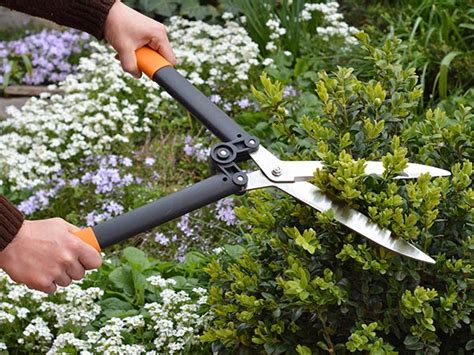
[[302, 283]]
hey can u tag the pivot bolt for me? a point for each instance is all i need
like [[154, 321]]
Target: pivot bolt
[[223, 153], [276, 171]]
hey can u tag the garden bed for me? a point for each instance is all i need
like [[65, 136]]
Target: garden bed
[[259, 273]]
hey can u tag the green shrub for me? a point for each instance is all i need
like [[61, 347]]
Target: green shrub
[[302, 283]]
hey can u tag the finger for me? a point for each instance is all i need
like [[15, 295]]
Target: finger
[[63, 280], [76, 271], [50, 288], [129, 62], [89, 257], [161, 44]]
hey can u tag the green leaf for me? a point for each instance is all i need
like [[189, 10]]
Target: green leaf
[[163, 7], [470, 345], [234, 251], [136, 258], [303, 350], [123, 280], [443, 74]]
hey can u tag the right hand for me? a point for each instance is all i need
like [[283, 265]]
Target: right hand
[[45, 253]]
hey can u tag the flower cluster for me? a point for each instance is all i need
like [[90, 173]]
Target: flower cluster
[[49, 52], [225, 211], [73, 320], [176, 319], [214, 55], [40, 199], [95, 115], [276, 31], [333, 25], [197, 150], [80, 307]]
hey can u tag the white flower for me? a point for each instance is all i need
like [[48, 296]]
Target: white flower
[[267, 61], [157, 280], [227, 16], [333, 24], [270, 46]]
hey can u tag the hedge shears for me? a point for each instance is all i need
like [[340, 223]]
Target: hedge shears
[[236, 145]]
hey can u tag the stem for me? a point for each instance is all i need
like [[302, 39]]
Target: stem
[[327, 336]]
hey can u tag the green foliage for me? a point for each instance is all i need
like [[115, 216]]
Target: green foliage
[[438, 38], [365, 339], [304, 284], [188, 8]]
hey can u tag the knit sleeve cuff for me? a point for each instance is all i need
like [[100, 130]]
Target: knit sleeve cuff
[[86, 15], [10, 222]]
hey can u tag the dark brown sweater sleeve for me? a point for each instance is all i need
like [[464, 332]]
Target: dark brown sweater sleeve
[[85, 15], [10, 222]]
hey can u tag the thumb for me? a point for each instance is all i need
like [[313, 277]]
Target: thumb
[[129, 62]]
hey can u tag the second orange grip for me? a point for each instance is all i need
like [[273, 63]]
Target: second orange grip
[[150, 61], [87, 235]]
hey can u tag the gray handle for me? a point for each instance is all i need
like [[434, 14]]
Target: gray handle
[[165, 209]]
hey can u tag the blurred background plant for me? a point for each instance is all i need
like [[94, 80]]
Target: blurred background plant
[[41, 58]]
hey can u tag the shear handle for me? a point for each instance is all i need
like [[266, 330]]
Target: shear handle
[[161, 211], [154, 65]]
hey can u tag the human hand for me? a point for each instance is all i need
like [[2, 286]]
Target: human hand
[[45, 253], [128, 30]]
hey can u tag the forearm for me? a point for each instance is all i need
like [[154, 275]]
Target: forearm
[[85, 15], [10, 222]]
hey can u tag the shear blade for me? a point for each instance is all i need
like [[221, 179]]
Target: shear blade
[[312, 196]]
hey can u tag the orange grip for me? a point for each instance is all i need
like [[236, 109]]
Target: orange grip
[[150, 61], [88, 236]]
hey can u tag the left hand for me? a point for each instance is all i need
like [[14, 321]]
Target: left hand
[[128, 30]]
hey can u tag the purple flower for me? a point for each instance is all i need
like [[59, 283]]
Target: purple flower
[[188, 148], [184, 226], [49, 52], [215, 99], [29, 206], [243, 103], [225, 211], [162, 239], [127, 162], [90, 219], [113, 208], [289, 91], [197, 151], [74, 182]]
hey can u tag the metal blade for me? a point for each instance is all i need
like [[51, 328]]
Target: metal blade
[[304, 170], [312, 196], [288, 171]]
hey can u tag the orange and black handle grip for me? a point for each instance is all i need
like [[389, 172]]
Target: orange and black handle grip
[[161, 211], [163, 73]]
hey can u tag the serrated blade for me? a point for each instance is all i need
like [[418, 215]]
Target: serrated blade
[[312, 196]]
